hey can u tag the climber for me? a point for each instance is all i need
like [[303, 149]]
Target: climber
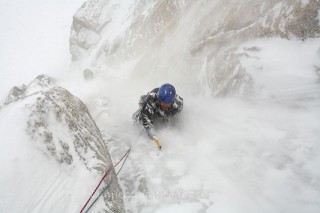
[[158, 106]]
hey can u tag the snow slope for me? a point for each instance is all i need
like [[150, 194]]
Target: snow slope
[[226, 154], [257, 153]]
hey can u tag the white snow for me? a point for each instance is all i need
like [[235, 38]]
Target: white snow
[[220, 155], [283, 70]]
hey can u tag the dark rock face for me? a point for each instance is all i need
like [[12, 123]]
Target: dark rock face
[[62, 127]]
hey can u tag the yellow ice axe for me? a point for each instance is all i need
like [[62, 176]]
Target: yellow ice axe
[[157, 142]]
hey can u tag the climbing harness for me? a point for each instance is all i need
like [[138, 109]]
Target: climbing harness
[[125, 156]]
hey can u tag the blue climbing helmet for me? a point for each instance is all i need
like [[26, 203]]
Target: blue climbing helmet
[[167, 93]]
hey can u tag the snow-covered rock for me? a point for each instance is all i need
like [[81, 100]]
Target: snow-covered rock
[[41, 82], [59, 126], [87, 25], [196, 40]]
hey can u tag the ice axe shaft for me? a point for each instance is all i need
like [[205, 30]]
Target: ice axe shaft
[[157, 142]]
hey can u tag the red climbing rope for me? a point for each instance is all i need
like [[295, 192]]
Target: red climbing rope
[[103, 177]]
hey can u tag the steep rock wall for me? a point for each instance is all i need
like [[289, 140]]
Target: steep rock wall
[[197, 39]]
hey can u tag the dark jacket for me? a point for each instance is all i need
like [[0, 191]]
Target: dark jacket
[[150, 110]]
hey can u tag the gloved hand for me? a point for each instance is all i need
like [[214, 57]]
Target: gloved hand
[[151, 133]]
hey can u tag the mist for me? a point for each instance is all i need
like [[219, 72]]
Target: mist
[[247, 139]]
